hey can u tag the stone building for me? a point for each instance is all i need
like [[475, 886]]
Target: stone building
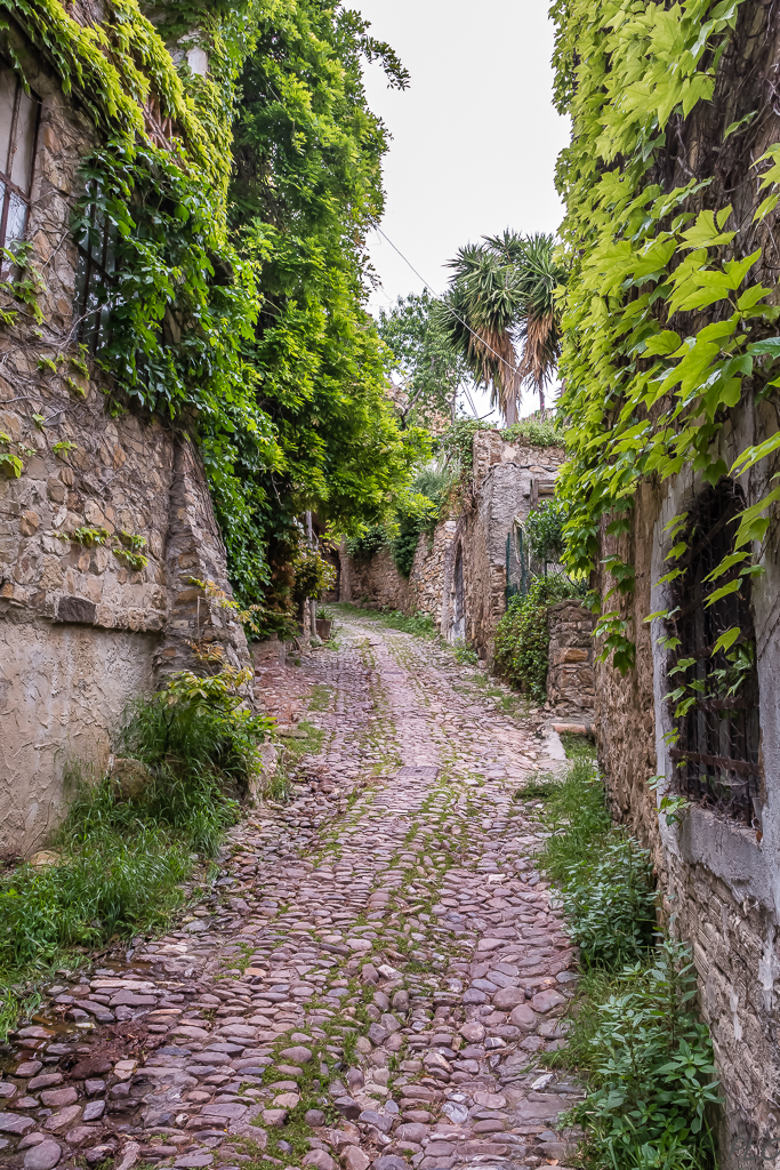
[[718, 860], [507, 481], [461, 572], [105, 519]]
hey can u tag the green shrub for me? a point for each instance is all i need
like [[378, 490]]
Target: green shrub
[[634, 1035], [314, 575], [121, 861], [522, 636], [652, 1083], [544, 530], [368, 544], [604, 876], [419, 513]]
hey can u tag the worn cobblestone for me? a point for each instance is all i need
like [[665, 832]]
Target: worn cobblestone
[[370, 982]]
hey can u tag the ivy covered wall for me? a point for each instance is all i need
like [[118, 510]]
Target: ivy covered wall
[[237, 167], [671, 364]]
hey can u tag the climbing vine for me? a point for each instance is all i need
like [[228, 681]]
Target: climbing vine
[[668, 323], [236, 204]]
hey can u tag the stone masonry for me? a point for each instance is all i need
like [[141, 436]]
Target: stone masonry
[[570, 677], [83, 631], [459, 576]]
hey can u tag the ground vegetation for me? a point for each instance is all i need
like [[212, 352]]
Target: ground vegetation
[[635, 1035]]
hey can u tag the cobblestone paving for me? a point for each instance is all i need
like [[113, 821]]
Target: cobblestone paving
[[372, 980]]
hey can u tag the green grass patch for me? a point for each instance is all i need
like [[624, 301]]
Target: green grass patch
[[635, 1034], [320, 697], [419, 624], [122, 857], [578, 747]]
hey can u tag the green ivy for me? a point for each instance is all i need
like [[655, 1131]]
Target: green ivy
[[237, 306], [666, 328]]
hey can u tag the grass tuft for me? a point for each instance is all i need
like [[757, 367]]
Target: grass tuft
[[121, 861], [635, 1034]]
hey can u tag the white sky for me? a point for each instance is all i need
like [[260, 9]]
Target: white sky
[[475, 136]]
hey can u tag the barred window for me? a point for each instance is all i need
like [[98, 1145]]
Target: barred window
[[19, 118], [716, 752], [94, 278]]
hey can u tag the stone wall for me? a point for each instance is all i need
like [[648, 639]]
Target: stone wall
[[459, 575], [570, 677], [81, 631], [377, 582], [719, 879], [507, 481]]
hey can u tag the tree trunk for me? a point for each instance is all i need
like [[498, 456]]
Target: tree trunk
[[510, 411]]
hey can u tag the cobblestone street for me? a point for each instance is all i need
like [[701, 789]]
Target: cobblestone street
[[370, 981]]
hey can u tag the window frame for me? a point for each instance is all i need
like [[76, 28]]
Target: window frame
[[716, 749], [10, 187]]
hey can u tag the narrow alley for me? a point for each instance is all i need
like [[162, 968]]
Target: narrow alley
[[372, 978]]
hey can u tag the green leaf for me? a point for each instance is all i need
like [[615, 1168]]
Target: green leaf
[[724, 591], [726, 639]]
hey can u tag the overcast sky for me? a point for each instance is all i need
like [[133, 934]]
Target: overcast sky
[[474, 137]]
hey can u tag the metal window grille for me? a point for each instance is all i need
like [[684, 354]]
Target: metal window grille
[[716, 754], [19, 119], [94, 279]]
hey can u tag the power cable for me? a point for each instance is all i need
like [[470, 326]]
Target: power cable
[[432, 291]]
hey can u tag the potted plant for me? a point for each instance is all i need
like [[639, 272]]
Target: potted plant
[[324, 624]]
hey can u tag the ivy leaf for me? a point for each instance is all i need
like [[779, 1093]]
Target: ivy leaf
[[770, 345], [753, 455], [705, 234], [724, 591], [727, 639], [663, 343], [764, 208]]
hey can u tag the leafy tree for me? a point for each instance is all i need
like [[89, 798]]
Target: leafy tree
[[424, 355], [306, 184], [502, 294]]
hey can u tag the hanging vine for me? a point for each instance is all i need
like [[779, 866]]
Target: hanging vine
[[670, 315], [245, 326]]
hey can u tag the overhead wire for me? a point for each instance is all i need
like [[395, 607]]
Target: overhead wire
[[419, 275]]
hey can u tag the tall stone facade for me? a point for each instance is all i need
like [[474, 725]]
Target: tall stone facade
[[459, 575], [85, 625], [507, 481], [719, 876]]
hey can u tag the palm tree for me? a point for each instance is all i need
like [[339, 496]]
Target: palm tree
[[503, 293]]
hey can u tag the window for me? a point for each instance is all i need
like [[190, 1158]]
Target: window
[[19, 116], [94, 278], [716, 753]]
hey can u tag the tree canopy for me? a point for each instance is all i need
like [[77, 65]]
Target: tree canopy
[[432, 368], [501, 297]]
